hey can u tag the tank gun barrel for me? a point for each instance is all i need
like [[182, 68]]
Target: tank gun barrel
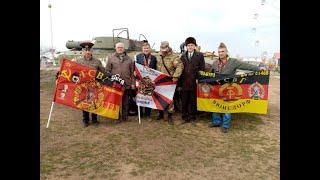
[[75, 45]]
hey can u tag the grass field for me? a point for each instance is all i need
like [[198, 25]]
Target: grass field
[[154, 150]]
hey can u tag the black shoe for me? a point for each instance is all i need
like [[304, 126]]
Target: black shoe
[[170, 120], [149, 118], [118, 121], [193, 122], [95, 123], [185, 122], [85, 124], [159, 117], [224, 130], [213, 125]]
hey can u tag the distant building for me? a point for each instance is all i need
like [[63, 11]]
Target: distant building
[[276, 58], [277, 55]]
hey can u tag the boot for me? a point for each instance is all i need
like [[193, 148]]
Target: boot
[[85, 118], [170, 120], [193, 122], [94, 119], [85, 123], [160, 116]]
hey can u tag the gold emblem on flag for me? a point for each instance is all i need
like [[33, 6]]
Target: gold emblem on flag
[[230, 92], [256, 91], [206, 89], [146, 86], [88, 95]]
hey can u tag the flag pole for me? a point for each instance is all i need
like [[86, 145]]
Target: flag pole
[[139, 114], [55, 92], [50, 114]]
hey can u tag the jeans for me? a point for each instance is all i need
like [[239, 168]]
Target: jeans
[[217, 120]]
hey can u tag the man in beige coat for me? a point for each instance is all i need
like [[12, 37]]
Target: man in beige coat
[[120, 63], [170, 64]]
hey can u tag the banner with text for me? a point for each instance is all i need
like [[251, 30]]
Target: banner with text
[[233, 94], [87, 89], [155, 89]]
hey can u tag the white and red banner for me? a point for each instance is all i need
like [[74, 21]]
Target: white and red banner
[[155, 89]]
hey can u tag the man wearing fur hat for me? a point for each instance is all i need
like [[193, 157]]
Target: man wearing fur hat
[[227, 66], [170, 64], [193, 62], [88, 60]]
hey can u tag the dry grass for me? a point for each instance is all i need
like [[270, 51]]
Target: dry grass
[[154, 150]]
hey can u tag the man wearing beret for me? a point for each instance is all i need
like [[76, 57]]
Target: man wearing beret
[[193, 62]]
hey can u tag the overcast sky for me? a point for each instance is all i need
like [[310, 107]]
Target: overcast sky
[[209, 21]]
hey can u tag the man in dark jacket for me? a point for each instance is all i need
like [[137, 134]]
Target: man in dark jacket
[[227, 66], [89, 61], [193, 62], [147, 59]]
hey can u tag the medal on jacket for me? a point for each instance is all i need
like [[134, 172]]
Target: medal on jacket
[[147, 61]]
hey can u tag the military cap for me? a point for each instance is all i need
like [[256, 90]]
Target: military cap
[[164, 46], [86, 45]]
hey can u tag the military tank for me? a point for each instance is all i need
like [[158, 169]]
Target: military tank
[[105, 45], [209, 57]]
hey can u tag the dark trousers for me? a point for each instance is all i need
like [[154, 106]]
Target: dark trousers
[[161, 113], [177, 100], [85, 116], [125, 105], [146, 112], [189, 105]]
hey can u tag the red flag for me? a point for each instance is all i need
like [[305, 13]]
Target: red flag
[[77, 87]]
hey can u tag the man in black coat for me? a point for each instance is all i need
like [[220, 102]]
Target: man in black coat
[[193, 62]]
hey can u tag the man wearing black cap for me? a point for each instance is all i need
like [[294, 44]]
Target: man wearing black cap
[[89, 61], [193, 62]]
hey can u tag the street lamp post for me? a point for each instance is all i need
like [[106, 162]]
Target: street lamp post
[[52, 51]]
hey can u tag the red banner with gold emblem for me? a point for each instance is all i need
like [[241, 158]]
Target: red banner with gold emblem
[[84, 88], [242, 93]]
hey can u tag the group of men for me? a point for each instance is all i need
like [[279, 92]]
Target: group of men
[[183, 68]]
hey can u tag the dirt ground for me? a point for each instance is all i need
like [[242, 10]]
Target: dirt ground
[[154, 150]]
